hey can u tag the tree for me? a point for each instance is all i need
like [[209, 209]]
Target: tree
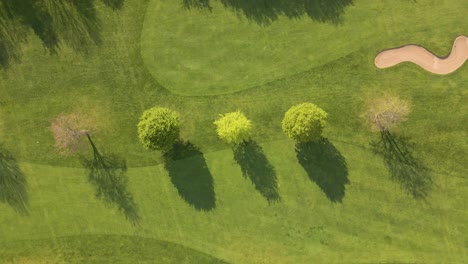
[[159, 128], [233, 127], [386, 112], [304, 122], [70, 132]]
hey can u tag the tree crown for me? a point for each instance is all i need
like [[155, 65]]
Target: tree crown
[[69, 129], [233, 127], [304, 122], [386, 112], [158, 128]]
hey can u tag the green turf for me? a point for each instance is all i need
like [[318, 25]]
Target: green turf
[[303, 227], [285, 214], [218, 51], [100, 249]]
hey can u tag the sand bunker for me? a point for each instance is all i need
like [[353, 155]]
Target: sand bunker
[[424, 58]]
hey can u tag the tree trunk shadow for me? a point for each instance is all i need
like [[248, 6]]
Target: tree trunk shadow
[[404, 168], [190, 175], [255, 166], [13, 185], [325, 166], [107, 173]]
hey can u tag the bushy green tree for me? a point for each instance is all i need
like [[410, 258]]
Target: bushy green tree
[[159, 128], [233, 127], [304, 122]]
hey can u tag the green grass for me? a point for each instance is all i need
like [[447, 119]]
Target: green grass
[[202, 52], [100, 249], [238, 221], [377, 221]]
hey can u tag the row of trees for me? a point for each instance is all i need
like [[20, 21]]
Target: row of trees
[[159, 127]]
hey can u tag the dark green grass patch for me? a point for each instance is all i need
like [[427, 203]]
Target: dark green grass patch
[[101, 249]]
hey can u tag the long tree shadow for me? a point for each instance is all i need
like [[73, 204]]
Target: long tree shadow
[[404, 168], [254, 165], [114, 4], [13, 186], [107, 173], [264, 12], [325, 166], [190, 175], [73, 23]]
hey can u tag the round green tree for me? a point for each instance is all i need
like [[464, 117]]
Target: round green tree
[[159, 128], [304, 122], [233, 127]]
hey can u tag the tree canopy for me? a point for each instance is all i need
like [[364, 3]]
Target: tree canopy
[[386, 112], [233, 127], [304, 122], [158, 128]]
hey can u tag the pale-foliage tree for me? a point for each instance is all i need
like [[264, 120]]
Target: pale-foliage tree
[[71, 131], [386, 112]]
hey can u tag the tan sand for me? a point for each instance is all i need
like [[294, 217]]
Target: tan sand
[[424, 58]]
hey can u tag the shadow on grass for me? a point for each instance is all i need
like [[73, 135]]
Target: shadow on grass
[[73, 23], [409, 172], [13, 186], [265, 12], [189, 173], [114, 4], [325, 166], [199, 4], [255, 166], [107, 173]]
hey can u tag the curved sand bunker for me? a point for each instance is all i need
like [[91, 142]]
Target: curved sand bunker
[[424, 58]]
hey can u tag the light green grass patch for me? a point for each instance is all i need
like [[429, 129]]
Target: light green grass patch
[[201, 52]]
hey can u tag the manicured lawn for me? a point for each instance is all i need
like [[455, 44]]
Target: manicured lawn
[[101, 249], [201, 209], [218, 51]]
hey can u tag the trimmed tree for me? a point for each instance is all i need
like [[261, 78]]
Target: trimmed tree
[[70, 132], [386, 112], [234, 128], [159, 128], [304, 122]]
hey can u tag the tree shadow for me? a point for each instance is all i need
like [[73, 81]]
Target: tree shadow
[[254, 165], [12, 35], [199, 4], [13, 186], [264, 12], [73, 23], [114, 4], [325, 166], [404, 168], [107, 173], [190, 175]]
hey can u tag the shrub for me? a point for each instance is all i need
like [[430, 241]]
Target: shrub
[[233, 127], [158, 128], [304, 122]]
